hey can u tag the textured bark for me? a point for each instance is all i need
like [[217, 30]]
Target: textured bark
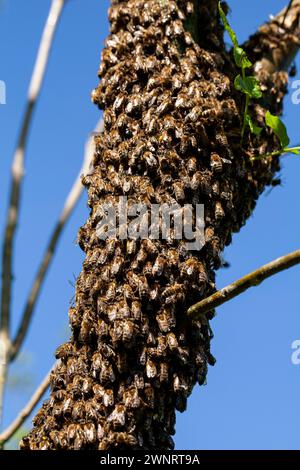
[[172, 134]]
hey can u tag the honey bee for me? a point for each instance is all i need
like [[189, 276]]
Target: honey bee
[[127, 439], [117, 266], [134, 106], [151, 369], [179, 193], [64, 351], [78, 411], [172, 342], [117, 418], [165, 321], [106, 373], [111, 291], [164, 372], [219, 211], [131, 246], [136, 309], [90, 433], [108, 398], [150, 398], [159, 266], [131, 398], [128, 331]]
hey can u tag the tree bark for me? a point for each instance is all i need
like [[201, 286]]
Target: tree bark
[[172, 134]]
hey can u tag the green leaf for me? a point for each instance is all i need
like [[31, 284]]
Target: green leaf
[[241, 58], [248, 85], [227, 26], [253, 127], [278, 127], [295, 150]]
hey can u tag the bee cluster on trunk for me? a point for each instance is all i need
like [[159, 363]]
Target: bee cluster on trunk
[[172, 131]]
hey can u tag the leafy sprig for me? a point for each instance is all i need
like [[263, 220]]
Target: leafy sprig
[[247, 84], [250, 86]]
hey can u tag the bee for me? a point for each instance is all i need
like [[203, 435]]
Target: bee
[[150, 160], [139, 381], [106, 373], [128, 331], [90, 433], [78, 411], [131, 398], [100, 430], [131, 246], [191, 165], [215, 188], [87, 385], [64, 351], [117, 266], [128, 440], [176, 290], [111, 291], [48, 422], [143, 286], [219, 211], [134, 106], [172, 342], [179, 193], [151, 369], [136, 309], [165, 321], [150, 398], [67, 407], [108, 398], [164, 372], [119, 103], [165, 107], [196, 180], [117, 418], [96, 363], [124, 310], [159, 266], [221, 139], [55, 438]]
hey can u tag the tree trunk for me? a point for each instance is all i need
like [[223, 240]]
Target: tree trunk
[[172, 135]]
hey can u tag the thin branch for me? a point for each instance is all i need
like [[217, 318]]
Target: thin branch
[[26, 411], [16, 183], [281, 58], [238, 287], [70, 204]]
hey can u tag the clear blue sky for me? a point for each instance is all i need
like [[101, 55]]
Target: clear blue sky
[[251, 400]]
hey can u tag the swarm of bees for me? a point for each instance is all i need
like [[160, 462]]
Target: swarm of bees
[[170, 112]]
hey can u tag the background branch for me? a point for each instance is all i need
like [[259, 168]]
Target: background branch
[[236, 288], [16, 182], [67, 210], [26, 411]]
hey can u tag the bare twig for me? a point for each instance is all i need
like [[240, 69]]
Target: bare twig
[[238, 287], [67, 210], [16, 183], [26, 411]]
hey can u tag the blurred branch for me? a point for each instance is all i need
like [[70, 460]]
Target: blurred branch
[[26, 411], [286, 24], [238, 287], [16, 182], [68, 208]]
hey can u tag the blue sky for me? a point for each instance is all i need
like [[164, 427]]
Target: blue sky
[[251, 400]]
